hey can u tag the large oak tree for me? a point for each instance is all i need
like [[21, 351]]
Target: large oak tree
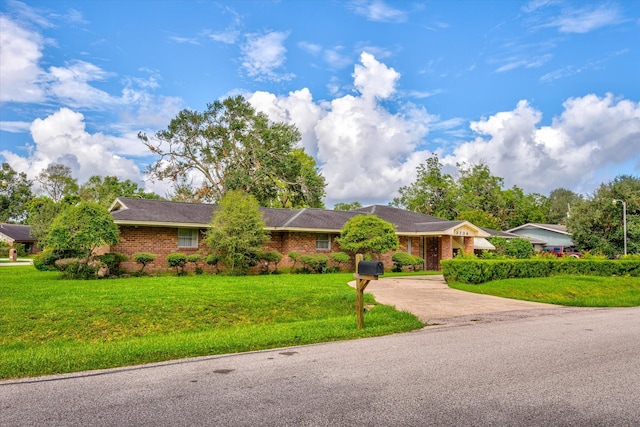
[[233, 147]]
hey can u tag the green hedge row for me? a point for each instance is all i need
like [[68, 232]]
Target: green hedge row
[[476, 271]]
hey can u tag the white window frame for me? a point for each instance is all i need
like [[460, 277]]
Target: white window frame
[[192, 237], [320, 241]]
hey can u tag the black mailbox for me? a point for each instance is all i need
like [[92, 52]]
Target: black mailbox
[[370, 268]]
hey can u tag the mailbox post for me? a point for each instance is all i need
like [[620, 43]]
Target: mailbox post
[[366, 271]]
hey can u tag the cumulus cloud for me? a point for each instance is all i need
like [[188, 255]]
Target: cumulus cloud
[[20, 74], [61, 138], [364, 151], [264, 54], [592, 133]]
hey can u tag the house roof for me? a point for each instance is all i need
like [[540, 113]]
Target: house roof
[[507, 235], [557, 228], [17, 233], [130, 211]]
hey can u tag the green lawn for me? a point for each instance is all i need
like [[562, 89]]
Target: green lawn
[[52, 326], [581, 291]]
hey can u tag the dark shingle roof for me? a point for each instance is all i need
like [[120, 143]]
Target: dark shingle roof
[[129, 210], [19, 233]]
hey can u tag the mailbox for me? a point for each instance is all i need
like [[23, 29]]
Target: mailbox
[[370, 268]]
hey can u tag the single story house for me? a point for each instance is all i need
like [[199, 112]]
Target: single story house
[[15, 233], [542, 235], [162, 227]]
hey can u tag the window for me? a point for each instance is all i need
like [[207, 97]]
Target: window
[[323, 242], [409, 245], [187, 238]]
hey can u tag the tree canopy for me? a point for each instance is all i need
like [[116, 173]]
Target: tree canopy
[[81, 228], [368, 234], [237, 231], [233, 147], [104, 190], [56, 182], [15, 193], [596, 224]]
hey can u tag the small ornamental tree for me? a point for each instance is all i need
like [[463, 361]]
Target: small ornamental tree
[[78, 230], [369, 235], [237, 232], [144, 258], [177, 261]]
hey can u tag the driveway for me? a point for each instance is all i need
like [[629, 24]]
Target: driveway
[[433, 302]]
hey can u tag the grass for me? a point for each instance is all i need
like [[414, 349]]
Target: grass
[[50, 326], [580, 291]]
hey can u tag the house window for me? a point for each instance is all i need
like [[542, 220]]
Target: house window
[[409, 245], [187, 238], [323, 242]]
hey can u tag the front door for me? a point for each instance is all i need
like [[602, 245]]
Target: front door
[[432, 257]]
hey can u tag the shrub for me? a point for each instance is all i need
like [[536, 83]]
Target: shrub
[[143, 258], [316, 263], [45, 260], [112, 261], [404, 259], [267, 258], [475, 271], [177, 261], [213, 260], [340, 258], [295, 257], [520, 249], [76, 268]]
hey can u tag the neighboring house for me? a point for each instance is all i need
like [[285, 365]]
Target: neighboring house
[[15, 233], [509, 236], [162, 227], [542, 235]]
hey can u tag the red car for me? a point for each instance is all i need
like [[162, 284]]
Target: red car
[[562, 251]]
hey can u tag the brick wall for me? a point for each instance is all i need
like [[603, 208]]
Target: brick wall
[[162, 241]]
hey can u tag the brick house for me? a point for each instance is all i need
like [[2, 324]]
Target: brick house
[[162, 227]]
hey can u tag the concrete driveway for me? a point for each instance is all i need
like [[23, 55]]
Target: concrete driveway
[[433, 302]]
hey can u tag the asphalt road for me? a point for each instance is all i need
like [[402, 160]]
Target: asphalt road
[[570, 368]]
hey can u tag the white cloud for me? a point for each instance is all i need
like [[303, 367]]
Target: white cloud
[[62, 138], [364, 151], [378, 10], [591, 134], [20, 75], [264, 54], [70, 84], [587, 19], [14, 126]]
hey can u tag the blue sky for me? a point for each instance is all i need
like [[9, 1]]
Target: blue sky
[[545, 92]]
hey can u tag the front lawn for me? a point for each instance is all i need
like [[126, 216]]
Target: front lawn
[[581, 291], [52, 326]]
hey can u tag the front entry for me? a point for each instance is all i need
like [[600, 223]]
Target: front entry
[[432, 251]]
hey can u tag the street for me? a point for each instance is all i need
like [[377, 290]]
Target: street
[[576, 367]]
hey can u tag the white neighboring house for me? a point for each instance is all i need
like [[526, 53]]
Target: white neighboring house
[[542, 235]]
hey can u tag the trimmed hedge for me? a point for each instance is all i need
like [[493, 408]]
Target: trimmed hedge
[[476, 271]]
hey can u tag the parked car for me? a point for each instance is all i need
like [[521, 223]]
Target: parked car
[[562, 251]]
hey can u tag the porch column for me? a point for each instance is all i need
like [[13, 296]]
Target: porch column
[[468, 245], [446, 247]]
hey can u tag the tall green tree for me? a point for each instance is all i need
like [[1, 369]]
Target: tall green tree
[[432, 193], [56, 182], [42, 210], [15, 193], [478, 189], [369, 235], [82, 228], [560, 202], [104, 190], [596, 224], [517, 208], [237, 231], [234, 147], [347, 206]]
